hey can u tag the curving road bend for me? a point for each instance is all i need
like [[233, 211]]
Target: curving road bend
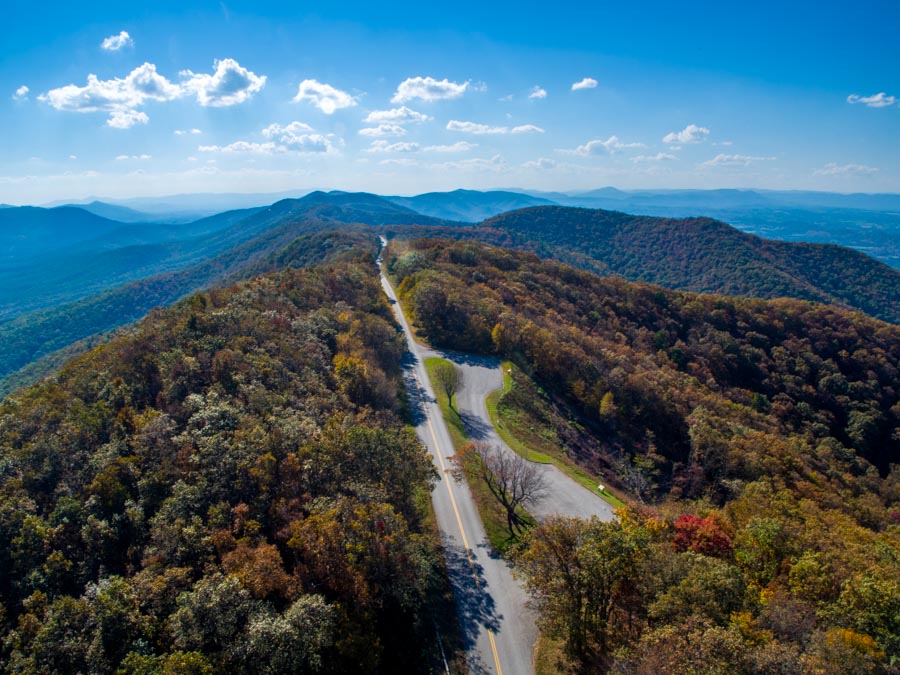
[[498, 628], [563, 496]]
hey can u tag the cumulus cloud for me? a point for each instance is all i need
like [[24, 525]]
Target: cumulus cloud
[[383, 130], [121, 96], [428, 89], [526, 129], [690, 134], [297, 137], [122, 158], [835, 169], [459, 146], [115, 42], [118, 94], [600, 147], [125, 119], [541, 163], [586, 83], [401, 115], [185, 132], [483, 129], [537, 92], [21, 93], [658, 157], [879, 100], [384, 146], [734, 160], [325, 97], [229, 84]]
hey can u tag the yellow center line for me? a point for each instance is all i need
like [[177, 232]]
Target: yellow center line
[[462, 530]]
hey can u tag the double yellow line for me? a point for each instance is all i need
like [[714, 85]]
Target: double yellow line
[[462, 531]]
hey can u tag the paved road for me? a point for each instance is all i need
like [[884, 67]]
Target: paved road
[[563, 496], [498, 628]]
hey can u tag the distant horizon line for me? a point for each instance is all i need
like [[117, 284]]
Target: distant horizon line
[[302, 192]]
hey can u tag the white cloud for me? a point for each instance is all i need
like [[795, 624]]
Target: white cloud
[[475, 128], [482, 129], [384, 146], [401, 115], [73, 157], [125, 119], [428, 89], [506, 99], [538, 92], [598, 147], [185, 132], [298, 137], [459, 146], [240, 146], [292, 129], [141, 84], [383, 130], [835, 169], [115, 42], [325, 97], [690, 134], [879, 100], [229, 85], [21, 93], [495, 163], [586, 83], [542, 163], [658, 157], [734, 160], [122, 158]]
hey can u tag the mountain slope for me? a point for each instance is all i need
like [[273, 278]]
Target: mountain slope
[[29, 230], [704, 255], [227, 488], [30, 336], [761, 436], [123, 214]]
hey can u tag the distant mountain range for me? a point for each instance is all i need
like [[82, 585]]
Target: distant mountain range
[[469, 205], [68, 274]]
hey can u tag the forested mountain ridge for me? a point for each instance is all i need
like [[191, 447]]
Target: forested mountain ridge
[[32, 335], [765, 435], [704, 255], [228, 487]]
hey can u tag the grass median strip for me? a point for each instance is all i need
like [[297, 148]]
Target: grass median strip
[[493, 515]]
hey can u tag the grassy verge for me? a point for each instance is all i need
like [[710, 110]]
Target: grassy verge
[[526, 431], [492, 513]]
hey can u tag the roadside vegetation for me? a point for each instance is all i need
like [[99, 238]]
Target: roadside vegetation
[[759, 440], [495, 517]]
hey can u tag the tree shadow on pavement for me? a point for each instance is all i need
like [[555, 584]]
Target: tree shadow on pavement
[[475, 606], [415, 395], [476, 428]]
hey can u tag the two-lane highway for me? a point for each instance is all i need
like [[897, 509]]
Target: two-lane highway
[[498, 627]]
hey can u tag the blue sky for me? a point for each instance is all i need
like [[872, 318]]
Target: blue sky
[[131, 99]]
